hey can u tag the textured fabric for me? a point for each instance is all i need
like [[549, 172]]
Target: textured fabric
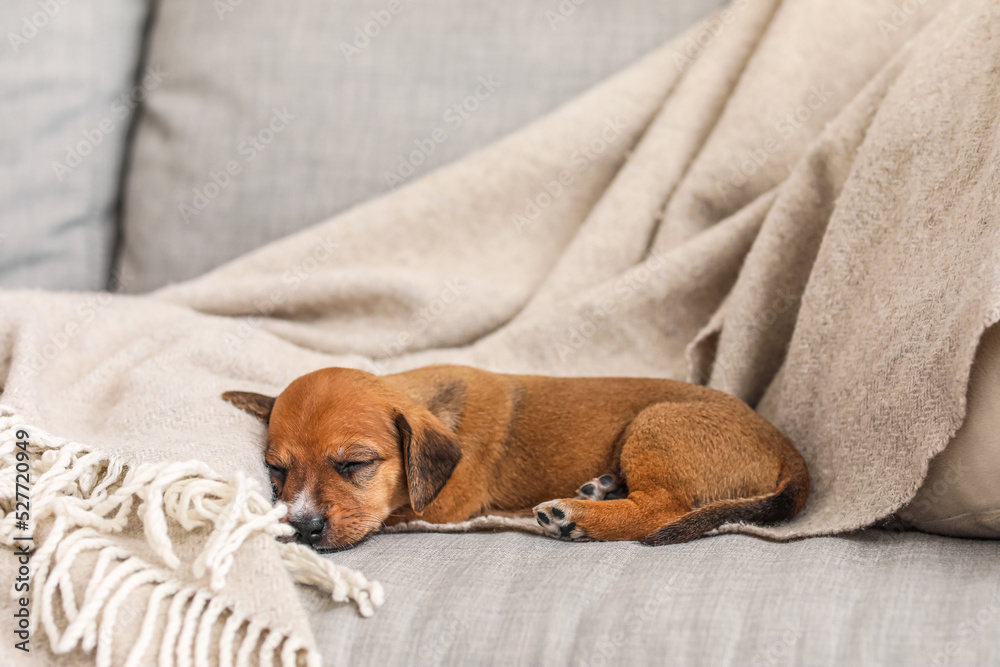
[[439, 79], [175, 550], [67, 98], [842, 286], [830, 287], [870, 598], [960, 495]]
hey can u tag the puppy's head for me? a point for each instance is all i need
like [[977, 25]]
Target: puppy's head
[[345, 450]]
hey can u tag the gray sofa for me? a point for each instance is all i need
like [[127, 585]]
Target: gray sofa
[[148, 144]]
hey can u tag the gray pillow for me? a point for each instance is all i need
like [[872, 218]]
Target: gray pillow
[[278, 115], [67, 71]]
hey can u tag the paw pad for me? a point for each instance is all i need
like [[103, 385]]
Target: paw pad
[[605, 487], [556, 517]]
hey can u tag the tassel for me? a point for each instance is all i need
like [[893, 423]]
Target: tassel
[[84, 497]]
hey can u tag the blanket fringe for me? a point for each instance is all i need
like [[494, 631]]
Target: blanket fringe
[[86, 496]]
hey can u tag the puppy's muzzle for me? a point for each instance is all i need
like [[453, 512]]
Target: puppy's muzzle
[[310, 530]]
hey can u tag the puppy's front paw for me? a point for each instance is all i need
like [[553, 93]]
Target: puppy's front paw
[[605, 487], [556, 517]]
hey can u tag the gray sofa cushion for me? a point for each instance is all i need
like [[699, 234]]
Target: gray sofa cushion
[[66, 99], [278, 115], [871, 598]]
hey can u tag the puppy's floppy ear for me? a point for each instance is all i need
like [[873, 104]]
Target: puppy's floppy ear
[[257, 405], [430, 454]]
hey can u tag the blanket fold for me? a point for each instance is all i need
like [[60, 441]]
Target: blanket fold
[[794, 202]]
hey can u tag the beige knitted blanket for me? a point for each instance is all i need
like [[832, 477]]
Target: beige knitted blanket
[[794, 202]]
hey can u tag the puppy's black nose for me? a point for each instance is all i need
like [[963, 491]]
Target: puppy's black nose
[[311, 529]]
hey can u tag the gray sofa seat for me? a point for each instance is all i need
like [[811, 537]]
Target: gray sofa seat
[[870, 598]]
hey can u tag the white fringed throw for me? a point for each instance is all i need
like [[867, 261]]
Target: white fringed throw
[[83, 501]]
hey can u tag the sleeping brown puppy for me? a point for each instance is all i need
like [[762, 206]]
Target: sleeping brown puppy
[[593, 458]]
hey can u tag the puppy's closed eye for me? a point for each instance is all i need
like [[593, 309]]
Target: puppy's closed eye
[[348, 469], [278, 475]]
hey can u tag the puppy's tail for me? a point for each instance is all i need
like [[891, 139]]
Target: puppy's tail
[[784, 503]]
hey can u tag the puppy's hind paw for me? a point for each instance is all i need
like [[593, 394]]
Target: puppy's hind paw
[[605, 487], [556, 517]]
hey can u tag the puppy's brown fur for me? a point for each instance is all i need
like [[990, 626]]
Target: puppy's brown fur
[[653, 460]]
